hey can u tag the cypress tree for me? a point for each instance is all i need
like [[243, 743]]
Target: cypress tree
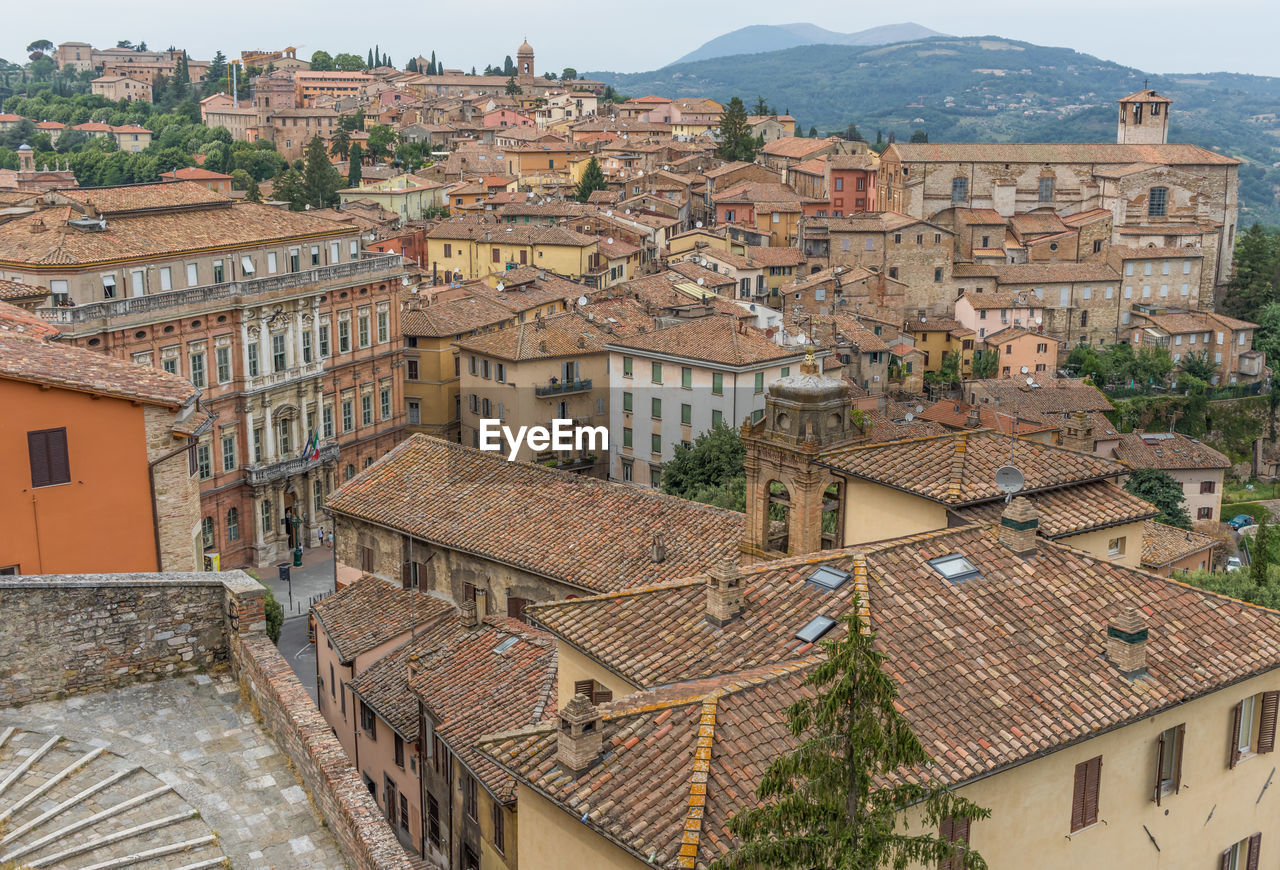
[[592, 180], [354, 170]]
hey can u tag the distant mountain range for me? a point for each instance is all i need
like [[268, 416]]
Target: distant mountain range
[[979, 89], [771, 37]]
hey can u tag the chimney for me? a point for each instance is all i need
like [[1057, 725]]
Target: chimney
[[473, 611], [1077, 434], [1018, 526], [578, 742], [657, 549], [974, 420], [1127, 643], [724, 595]]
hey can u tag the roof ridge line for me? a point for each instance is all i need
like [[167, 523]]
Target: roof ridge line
[[699, 776]]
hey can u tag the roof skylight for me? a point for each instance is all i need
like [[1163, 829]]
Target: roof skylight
[[956, 567], [506, 644], [829, 578], [815, 628]]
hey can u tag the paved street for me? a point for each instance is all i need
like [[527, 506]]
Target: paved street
[[308, 584], [300, 653]]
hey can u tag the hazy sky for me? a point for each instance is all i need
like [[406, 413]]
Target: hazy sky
[[1168, 36]]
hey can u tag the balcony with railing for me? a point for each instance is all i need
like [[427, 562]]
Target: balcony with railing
[[264, 473], [228, 292], [563, 388], [284, 377]]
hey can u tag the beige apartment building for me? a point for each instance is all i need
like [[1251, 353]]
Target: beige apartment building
[[1197, 468], [278, 317]]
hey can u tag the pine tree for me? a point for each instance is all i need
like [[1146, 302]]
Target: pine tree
[[370, 62], [320, 180], [288, 188], [216, 75], [252, 193], [508, 68], [813, 132], [761, 107], [354, 170], [736, 141], [434, 69], [592, 180], [340, 143], [1260, 553], [512, 87], [836, 801]]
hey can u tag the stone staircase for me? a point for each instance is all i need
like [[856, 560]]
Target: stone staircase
[[67, 806]]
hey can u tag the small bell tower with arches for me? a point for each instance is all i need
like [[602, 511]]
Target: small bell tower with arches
[[1144, 119]]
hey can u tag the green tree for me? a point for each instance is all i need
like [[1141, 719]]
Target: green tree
[[371, 61], [288, 188], [275, 614], [761, 107], [216, 76], [39, 45], [813, 132], [1152, 364], [1260, 552], [1157, 487], [252, 193], [340, 142], [948, 374], [569, 74], [321, 61], [240, 180], [512, 87], [320, 179], [1087, 362], [1255, 277], [736, 141], [1199, 365], [382, 141], [837, 800], [986, 363], [412, 65], [348, 62], [707, 470], [434, 68], [354, 168], [919, 136], [508, 67], [592, 180]]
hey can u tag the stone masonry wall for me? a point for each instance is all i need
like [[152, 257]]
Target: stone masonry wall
[[71, 634], [177, 494]]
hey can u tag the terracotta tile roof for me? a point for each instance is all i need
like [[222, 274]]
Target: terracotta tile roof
[[853, 161], [1003, 299], [526, 287], [564, 335], [1051, 396], [1167, 450], [511, 512], [1038, 273], [797, 146], [728, 258], [716, 339], [30, 356], [140, 197], [1163, 545], [759, 192], [958, 415], [35, 240], [453, 317], [1033, 678], [959, 467], [981, 216], [1183, 322], [23, 322], [1037, 223], [370, 612], [10, 289], [509, 234], [990, 152], [691, 270], [775, 256], [1073, 509], [195, 173], [470, 689], [868, 222]]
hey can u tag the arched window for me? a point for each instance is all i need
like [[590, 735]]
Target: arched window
[[1158, 202], [832, 516], [778, 521], [233, 524], [206, 532]]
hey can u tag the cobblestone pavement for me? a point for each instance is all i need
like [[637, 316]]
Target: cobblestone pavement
[[197, 735], [313, 579]]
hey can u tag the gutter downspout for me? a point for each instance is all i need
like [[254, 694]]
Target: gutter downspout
[[151, 483]]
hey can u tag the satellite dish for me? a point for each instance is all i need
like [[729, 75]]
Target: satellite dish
[[501, 286], [1031, 382], [1039, 320], [582, 300], [919, 409], [1009, 479], [909, 417], [701, 281], [609, 241], [698, 224], [1024, 370]]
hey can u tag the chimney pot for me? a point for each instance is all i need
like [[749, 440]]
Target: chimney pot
[[1018, 526], [1127, 643], [579, 739], [724, 595]]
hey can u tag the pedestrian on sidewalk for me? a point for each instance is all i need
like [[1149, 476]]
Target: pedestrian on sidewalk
[[330, 539]]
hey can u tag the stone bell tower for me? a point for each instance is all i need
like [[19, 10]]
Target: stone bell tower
[[788, 493], [524, 60], [1144, 119]]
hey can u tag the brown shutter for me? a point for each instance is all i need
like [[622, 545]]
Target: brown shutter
[[1177, 759], [1160, 751], [406, 575], [1225, 863], [1078, 796], [59, 466], [38, 451], [947, 834], [602, 695], [1234, 753], [1267, 722], [1091, 790], [584, 687], [1255, 847]]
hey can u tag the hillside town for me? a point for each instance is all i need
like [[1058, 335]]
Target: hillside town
[[297, 570]]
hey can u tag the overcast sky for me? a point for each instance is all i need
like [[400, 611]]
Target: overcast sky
[[1168, 36]]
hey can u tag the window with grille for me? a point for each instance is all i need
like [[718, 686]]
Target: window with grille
[[233, 524], [1158, 202], [959, 189]]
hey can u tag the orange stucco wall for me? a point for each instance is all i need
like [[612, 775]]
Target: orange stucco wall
[[99, 522]]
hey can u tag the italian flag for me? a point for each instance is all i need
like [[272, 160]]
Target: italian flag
[[312, 449]]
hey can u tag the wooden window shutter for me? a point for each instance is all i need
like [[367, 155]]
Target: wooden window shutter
[[1177, 761], [947, 834], [1161, 748], [1225, 863], [1078, 796], [1255, 848], [1267, 722], [38, 450], [1234, 754], [406, 575], [1092, 781], [59, 466], [601, 695], [584, 687]]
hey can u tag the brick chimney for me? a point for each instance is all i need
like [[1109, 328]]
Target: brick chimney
[[1077, 434], [1018, 526], [578, 742], [724, 595], [974, 420], [473, 611], [1127, 643]]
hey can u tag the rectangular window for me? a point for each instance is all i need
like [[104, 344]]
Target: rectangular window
[[469, 796], [1243, 855], [196, 361], [627, 436], [717, 384], [204, 462], [1084, 796], [315, 255], [1254, 730], [717, 418], [411, 369], [193, 274], [433, 821], [655, 443], [954, 831], [686, 378], [228, 452], [399, 741], [326, 416], [257, 444], [253, 359], [686, 415], [626, 366], [219, 273], [384, 327], [295, 261], [384, 403], [348, 415], [354, 249], [657, 373], [362, 329], [655, 408], [324, 341], [47, 451], [166, 278], [271, 262], [627, 401], [1158, 203], [759, 385], [499, 828], [369, 720], [279, 361], [1046, 189], [959, 189], [344, 335], [222, 359], [366, 409]]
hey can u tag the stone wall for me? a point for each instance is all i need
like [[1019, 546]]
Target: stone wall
[[177, 494], [71, 634]]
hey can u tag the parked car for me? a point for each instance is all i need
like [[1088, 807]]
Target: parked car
[[1234, 563], [1239, 521]]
